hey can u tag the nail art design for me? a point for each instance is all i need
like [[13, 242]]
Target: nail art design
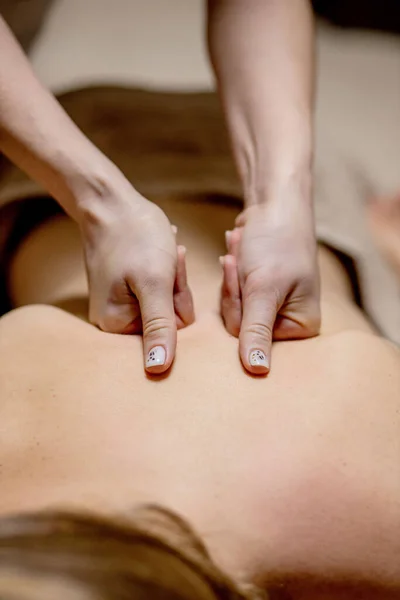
[[156, 357], [257, 358]]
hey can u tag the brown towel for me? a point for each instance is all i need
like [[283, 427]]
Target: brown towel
[[163, 142]]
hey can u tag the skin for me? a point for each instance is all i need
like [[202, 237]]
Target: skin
[[291, 478], [263, 57], [38, 136], [265, 80]]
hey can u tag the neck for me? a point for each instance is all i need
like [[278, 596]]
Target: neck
[[201, 228]]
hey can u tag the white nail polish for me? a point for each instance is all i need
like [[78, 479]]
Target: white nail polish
[[222, 261], [228, 235], [257, 358], [156, 357]]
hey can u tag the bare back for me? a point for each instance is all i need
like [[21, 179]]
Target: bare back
[[274, 466]]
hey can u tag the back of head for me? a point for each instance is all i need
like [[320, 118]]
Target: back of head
[[72, 556]]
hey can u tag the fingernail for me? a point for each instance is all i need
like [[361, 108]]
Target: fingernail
[[183, 250], [257, 358], [174, 229], [228, 236], [222, 261], [156, 357]]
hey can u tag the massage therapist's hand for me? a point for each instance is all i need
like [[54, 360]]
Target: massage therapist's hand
[[137, 278], [136, 273], [271, 282]]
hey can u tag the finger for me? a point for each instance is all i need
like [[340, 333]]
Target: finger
[[294, 325], [240, 220], [235, 241], [288, 329], [228, 237], [113, 317], [232, 241], [159, 326], [183, 300], [255, 340], [231, 306]]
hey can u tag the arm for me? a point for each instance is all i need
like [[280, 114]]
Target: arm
[[38, 136], [262, 52], [130, 249]]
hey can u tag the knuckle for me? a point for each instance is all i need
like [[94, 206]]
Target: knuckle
[[230, 297], [110, 323], [157, 327], [115, 319], [313, 323], [253, 286], [262, 277], [99, 315], [94, 313], [258, 330], [255, 289], [309, 283], [154, 279]]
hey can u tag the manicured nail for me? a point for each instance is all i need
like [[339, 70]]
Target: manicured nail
[[228, 236], [174, 229], [222, 261], [183, 250], [156, 357], [257, 358]]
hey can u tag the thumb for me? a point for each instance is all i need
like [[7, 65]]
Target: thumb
[[159, 325], [255, 339]]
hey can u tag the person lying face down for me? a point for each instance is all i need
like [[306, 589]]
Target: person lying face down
[[291, 482]]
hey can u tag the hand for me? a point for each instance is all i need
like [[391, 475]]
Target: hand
[[136, 274], [271, 282]]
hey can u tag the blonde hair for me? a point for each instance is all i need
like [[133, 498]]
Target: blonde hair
[[155, 554]]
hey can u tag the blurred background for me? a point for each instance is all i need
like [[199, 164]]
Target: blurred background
[[373, 14], [24, 16], [159, 44]]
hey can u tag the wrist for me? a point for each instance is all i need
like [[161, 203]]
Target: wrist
[[281, 188], [97, 193]]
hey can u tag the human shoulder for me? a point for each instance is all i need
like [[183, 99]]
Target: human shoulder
[[370, 352]]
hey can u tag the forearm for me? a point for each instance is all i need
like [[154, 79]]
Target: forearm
[[262, 53], [38, 136]]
